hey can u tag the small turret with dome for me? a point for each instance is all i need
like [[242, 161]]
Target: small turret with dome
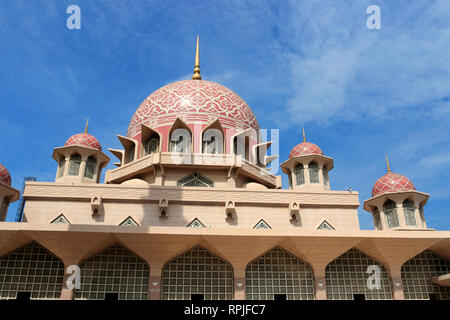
[[395, 203], [307, 167], [7, 193], [81, 159]]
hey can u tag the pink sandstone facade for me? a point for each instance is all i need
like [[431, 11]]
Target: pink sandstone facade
[[193, 209]]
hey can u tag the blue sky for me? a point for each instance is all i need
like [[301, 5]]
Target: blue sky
[[358, 92]]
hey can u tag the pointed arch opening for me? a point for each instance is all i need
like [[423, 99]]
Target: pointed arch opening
[[180, 137], [278, 272], [347, 278], [115, 270], [418, 273], [31, 269], [197, 272]]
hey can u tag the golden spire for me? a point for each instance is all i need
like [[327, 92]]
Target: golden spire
[[304, 137], [87, 123], [197, 75], [387, 164]]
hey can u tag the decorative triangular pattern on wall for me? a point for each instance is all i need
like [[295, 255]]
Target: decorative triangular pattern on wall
[[262, 225], [325, 226], [195, 224], [129, 222], [61, 219]]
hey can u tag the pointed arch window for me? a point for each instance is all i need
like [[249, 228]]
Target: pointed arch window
[[74, 166], [390, 210], [313, 172], [325, 226], [376, 218], [299, 174], [212, 141], [61, 166], [129, 222], [408, 210], [195, 180], [262, 225], [91, 165], [151, 145], [180, 141], [61, 219], [195, 224]]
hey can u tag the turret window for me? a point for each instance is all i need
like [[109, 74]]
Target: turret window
[[376, 218], [325, 176], [91, 165], [299, 174], [75, 162], [390, 210], [61, 166], [408, 210], [313, 172], [151, 146]]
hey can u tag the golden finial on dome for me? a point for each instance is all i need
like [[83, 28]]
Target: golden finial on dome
[[197, 75], [87, 123], [304, 137], [387, 164]]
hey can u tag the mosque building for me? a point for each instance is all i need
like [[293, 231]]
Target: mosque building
[[191, 210]]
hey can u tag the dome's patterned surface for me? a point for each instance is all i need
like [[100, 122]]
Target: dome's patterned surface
[[392, 182], [84, 139], [4, 175], [305, 148], [193, 101]]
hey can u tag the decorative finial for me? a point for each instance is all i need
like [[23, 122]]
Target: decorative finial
[[87, 123], [197, 75], [387, 164], [304, 137]]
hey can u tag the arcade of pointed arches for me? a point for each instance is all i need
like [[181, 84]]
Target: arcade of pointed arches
[[116, 271]]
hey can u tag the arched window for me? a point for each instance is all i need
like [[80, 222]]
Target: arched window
[[151, 145], [130, 154], [75, 162], [180, 141], [408, 210], [390, 210], [212, 141], [91, 165], [299, 174], [376, 218], [61, 166], [325, 176], [313, 172]]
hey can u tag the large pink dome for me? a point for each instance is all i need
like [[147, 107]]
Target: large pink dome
[[4, 175], [193, 101], [84, 139], [392, 182], [305, 148]]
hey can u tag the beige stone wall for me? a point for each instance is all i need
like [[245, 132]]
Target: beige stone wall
[[47, 201]]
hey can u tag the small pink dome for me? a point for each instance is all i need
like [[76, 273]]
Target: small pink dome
[[305, 148], [4, 175], [392, 182], [84, 139]]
